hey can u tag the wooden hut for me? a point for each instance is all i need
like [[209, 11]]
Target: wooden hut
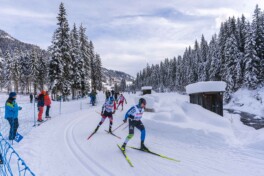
[[209, 95], [146, 90]]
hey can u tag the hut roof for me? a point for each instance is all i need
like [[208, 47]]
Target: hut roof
[[146, 88], [208, 86]]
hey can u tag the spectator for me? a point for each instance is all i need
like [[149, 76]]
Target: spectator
[[41, 105], [11, 114], [93, 97], [47, 103], [1, 159], [31, 97]]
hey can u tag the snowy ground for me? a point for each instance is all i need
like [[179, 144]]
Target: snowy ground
[[206, 143]]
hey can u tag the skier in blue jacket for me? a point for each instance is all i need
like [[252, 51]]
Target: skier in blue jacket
[[11, 114], [134, 115]]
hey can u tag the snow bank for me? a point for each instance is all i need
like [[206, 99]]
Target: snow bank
[[178, 112], [209, 86], [248, 101], [150, 98]]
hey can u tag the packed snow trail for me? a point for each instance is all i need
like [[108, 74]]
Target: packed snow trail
[[60, 146]]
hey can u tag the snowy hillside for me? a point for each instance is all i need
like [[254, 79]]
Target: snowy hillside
[[205, 143], [116, 76], [250, 101], [7, 42]]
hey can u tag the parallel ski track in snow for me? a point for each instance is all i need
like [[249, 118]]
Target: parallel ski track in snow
[[81, 156]]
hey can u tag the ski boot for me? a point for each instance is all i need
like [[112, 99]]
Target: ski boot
[[110, 129], [143, 147], [123, 147], [40, 120]]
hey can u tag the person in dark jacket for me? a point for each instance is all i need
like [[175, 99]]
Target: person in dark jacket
[[41, 104], [93, 97], [1, 159], [107, 95], [11, 114], [31, 97]]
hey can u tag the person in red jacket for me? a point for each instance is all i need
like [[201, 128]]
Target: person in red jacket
[[47, 102], [41, 105]]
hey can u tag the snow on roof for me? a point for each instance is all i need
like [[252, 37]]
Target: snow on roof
[[146, 88], [209, 86]]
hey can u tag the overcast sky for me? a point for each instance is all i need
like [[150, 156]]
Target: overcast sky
[[126, 33]]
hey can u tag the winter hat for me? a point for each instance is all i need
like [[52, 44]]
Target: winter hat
[[43, 92], [12, 94]]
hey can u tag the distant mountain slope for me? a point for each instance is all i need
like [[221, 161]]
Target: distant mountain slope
[[116, 76], [7, 42]]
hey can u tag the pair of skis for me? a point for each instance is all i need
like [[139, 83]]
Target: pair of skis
[[39, 123], [105, 131], [146, 151]]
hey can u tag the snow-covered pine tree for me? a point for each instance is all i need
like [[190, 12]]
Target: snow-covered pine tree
[[179, 74], [26, 72], [40, 68], [98, 72], [173, 65], [214, 55], [1, 69], [60, 63], [77, 62], [251, 60], [85, 56], [123, 85], [7, 73], [232, 57], [222, 37], [203, 63], [92, 65], [258, 32], [16, 68]]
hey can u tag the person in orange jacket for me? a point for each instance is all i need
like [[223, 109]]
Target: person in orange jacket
[[47, 102], [41, 105]]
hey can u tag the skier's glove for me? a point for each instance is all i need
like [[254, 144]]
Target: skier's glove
[[125, 120], [20, 108]]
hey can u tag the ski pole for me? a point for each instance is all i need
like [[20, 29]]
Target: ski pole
[[98, 112], [124, 128], [118, 126]]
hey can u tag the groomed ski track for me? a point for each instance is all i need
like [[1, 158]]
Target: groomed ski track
[[60, 148]]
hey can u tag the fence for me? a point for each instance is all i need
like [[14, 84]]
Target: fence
[[13, 164]]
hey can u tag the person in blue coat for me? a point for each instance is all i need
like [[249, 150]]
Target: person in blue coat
[[11, 114]]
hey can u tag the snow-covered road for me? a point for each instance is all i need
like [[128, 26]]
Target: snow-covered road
[[59, 147]]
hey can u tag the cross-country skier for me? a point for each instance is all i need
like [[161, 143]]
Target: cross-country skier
[[108, 110], [121, 100], [134, 114]]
